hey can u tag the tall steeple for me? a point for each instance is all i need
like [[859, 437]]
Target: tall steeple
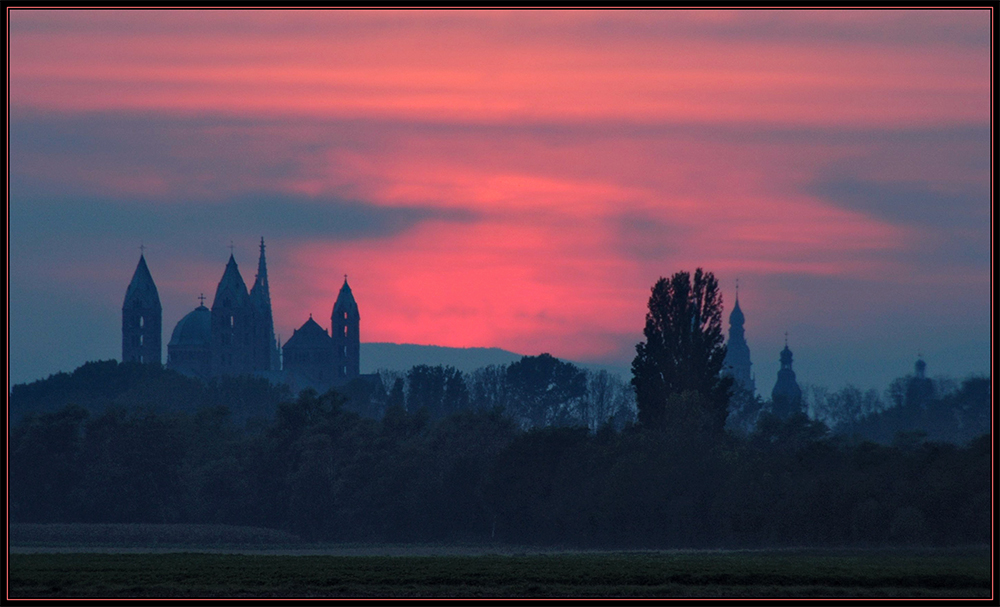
[[265, 350], [231, 324], [786, 397], [345, 324], [737, 363], [142, 318]]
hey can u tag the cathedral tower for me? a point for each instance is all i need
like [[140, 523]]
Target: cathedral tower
[[141, 318], [737, 363], [232, 319], [786, 396], [264, 349], [344, 325]]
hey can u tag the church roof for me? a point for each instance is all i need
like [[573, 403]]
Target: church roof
[[309, 335], [736, 316], [195, 329], [345, 301], [231, 286], [142, 288]]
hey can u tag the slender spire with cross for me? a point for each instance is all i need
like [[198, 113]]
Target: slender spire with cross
[[786, 339], [201, 298], [737, 289], [231, 248], [142, 249]]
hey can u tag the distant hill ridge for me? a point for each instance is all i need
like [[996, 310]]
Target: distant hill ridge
[[401, 357], [385, 355]]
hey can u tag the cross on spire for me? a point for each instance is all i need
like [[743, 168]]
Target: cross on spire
[[231, 247], [786, 339], [737, 288], [201, 298], [142, 248]]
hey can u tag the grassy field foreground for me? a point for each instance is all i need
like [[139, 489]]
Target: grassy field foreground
[[653, 574]]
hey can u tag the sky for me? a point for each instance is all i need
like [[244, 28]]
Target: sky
[[511, 179]]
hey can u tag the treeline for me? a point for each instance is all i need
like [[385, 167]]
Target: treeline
[[100, 385], [917, 407], [476, 475], [536, 391], [912, 409]]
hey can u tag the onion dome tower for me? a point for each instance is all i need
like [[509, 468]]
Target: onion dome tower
[[737, 363], [344, 326], [142, 318], [264, 349], [919, 388], [786, 396], [232, 319], [190, 348]]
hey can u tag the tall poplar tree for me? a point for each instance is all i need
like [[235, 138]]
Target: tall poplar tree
[[676, 370]]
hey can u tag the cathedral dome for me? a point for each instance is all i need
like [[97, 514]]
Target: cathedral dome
[[195, 329]]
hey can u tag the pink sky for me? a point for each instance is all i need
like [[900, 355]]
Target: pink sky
[[561, 162]]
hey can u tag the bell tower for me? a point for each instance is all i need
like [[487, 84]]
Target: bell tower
[[344, 324], [142, 318]]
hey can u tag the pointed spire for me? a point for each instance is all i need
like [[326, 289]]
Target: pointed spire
[[261, 292], [231, 286], [142, 288], [345, 300]]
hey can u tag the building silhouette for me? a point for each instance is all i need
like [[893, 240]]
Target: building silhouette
[[737, 362], [142, 318], [786, 397], [919, 388], [316, 358], [236, 335]]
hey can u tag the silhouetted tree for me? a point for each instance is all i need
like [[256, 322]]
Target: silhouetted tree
[[544, 390], [489, 387], [683, 352], [441, 390], [396, 395]]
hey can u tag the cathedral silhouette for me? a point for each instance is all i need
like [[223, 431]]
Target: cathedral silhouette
[[236, 336]]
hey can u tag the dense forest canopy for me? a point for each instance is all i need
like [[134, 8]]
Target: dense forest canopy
[[462, 464]]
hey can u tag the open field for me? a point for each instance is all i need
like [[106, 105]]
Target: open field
[[789, 573]]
